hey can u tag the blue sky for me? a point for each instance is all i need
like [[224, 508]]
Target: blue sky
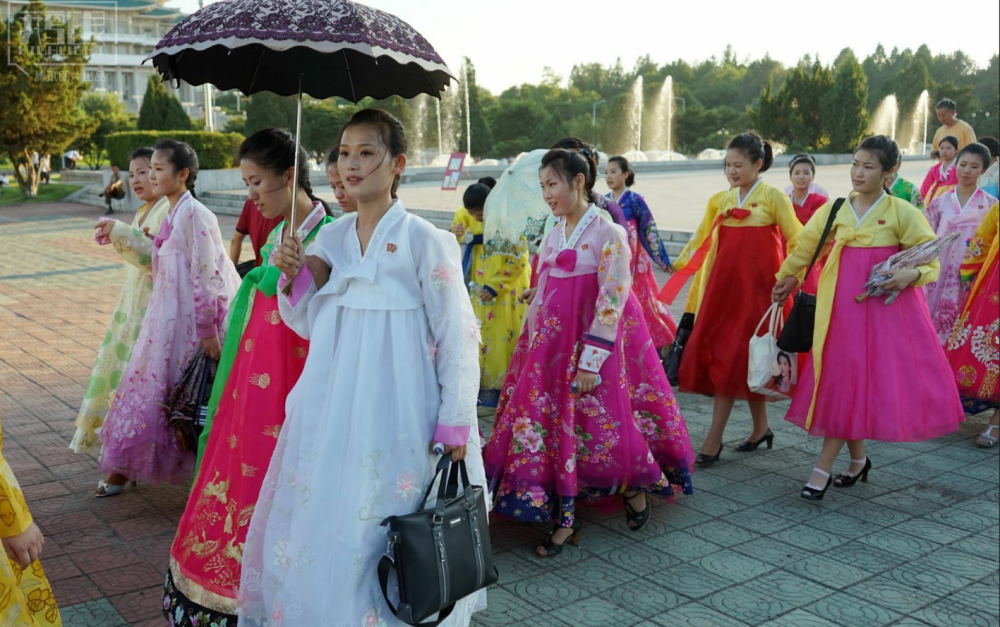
[[511, 41]]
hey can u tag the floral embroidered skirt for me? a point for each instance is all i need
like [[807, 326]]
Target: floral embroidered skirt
[[550, 447], [974, 348], [207, 551]]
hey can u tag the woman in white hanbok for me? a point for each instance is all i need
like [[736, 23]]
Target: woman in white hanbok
[[392, 368]]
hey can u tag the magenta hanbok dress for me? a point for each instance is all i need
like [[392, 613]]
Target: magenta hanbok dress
[[946, 215], [551, 447], [193, 283]]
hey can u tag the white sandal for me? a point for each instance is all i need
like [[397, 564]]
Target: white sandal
[[111, 489], [986, 439]]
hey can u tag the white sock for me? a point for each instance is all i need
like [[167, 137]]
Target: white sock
[[818, 476]]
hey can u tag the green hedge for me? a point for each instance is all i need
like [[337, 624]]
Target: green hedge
[[216, 151]]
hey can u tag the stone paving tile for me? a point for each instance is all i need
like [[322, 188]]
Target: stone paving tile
[[918, 545]]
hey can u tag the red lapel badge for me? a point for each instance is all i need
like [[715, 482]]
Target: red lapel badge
[[881, 222], [390, 247]]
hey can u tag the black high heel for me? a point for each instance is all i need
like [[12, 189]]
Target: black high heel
[[845, 480], [705, 461], [631, 516], [553, 548], [749, 447], [810, 493]]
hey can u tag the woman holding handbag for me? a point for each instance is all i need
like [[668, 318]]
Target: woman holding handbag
[[193, 283], [392, 369], [741, 249], [887, 356]]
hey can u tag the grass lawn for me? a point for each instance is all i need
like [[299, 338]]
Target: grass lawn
[[52, 192]]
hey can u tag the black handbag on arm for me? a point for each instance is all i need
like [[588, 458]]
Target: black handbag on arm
[[440, 555], [797, 336], [672, 360]]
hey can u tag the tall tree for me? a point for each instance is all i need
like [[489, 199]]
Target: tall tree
[[38, 106], [109, 115], [161, 110], [845, 105]]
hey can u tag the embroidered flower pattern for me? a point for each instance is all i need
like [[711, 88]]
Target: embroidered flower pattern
[[444, 275], [406, 485]]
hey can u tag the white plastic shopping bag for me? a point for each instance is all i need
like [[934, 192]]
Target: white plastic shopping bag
[[772, 372]]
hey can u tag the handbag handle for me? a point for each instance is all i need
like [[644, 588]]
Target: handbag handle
[[826, 233], [776, 321], [444, 465]]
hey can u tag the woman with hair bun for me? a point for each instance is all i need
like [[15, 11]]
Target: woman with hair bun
[[942, 177], [962, 209], [742, 251], [573, 426], [496, 280], [647, 249], [260, 364], [194, 282], [877, 370]]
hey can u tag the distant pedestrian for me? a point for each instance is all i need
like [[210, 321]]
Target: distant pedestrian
[[947, 114], [115, 189]]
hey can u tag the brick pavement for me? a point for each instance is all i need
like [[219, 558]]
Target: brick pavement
[[916, 546]]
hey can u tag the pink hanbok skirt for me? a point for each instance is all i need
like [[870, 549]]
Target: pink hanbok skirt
[[885, 374]]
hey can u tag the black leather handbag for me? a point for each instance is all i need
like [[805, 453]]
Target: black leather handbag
[[797, 336], [440, 555], [672, 360]]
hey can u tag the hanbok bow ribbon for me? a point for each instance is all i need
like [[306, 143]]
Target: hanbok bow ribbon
[[680, 277], [340, 279], [565, 260]]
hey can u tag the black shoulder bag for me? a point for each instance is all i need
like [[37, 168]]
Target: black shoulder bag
[[440, 555], [797, 336]]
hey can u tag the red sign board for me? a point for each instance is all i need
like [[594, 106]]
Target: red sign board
[[453, 171]]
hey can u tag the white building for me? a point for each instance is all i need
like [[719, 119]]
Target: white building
[[123, 33]]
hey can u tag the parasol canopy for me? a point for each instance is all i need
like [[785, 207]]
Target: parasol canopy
[[336, 47], [515, 210]]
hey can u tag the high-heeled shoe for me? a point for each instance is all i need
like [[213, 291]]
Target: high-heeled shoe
[[554, 548], [749, 447], [705, 461], [631, 516], [846, 480], [812, 493]]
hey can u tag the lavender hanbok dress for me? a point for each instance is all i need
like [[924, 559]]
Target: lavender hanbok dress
[[193, 283]]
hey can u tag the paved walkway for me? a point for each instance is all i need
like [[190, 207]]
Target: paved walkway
[[916, 546]]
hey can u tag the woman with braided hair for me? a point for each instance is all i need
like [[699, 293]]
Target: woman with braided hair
[[262, 361]]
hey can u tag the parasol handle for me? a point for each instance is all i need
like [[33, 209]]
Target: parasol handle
[[295, 177], [298, 140]]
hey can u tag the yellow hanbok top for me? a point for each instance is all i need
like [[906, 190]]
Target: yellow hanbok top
[[767, 206], [703, 232], [505, 274], [25, 594], [979, 257], [890, 222]]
